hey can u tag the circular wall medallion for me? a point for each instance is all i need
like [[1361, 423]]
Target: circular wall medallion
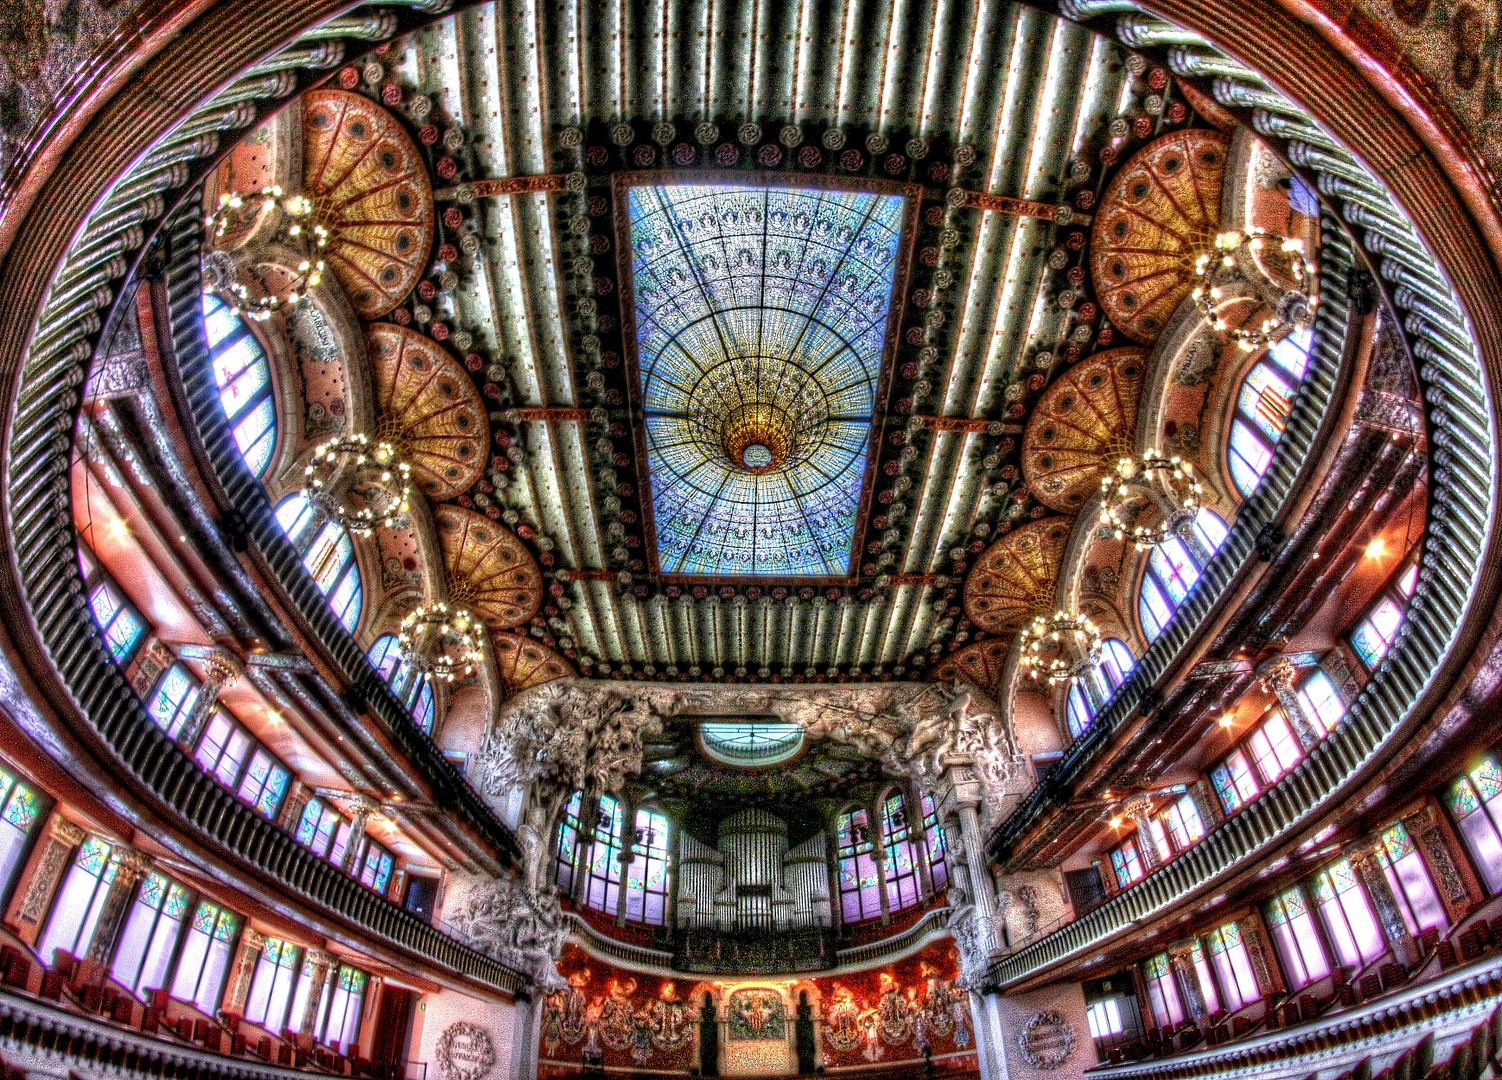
[[1046, 1040], [465, 1052]]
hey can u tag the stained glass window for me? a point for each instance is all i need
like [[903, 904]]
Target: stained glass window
[[80, 900], [938, 868], [118, 620], [1378, 629], [604, 891], [1474, 803], [271, 989], [205, 957], [902, 863], [172, 701], [1347, 915], [340, 1024], [411, 689], [315, 830], [243, 375], [376, 867], [1163, 991], [1409, 880], [1116, 662], [1173, 568], [750, 743], [1274, 747], [1262, 409], [860, 896], [1079, 711], [1234, 780], [264, 783], [1183, 823], [568, 839], [327, 554], [21, 810], [1235, 979], [1127, 863], [143, 954], [647, 875], [761, 320], [1322, 702]]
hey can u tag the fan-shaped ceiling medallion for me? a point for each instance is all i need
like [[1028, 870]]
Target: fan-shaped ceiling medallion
[[1080, 426], [370, 188], [1158, 215], [1014, 579], [979, 664], [524, 662], [430, 408], [489, 571]]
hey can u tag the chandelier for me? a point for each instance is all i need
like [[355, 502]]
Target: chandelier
[[1059, 647], [1294, 309], [379, 477], [441, 641], [1165, 484], [297, 230]]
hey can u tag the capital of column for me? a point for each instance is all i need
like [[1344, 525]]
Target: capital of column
[[221, 667], [320, 959], [1362, 853], [130, 864], [252, 940], [60, 828], [1278, 674], [1139, 808]]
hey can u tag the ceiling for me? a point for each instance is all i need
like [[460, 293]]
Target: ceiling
[[990, 100]]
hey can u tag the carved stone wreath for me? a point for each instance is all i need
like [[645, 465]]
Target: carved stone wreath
[[465, 1052], [1046, 1040]]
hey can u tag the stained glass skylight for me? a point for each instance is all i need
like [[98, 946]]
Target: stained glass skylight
[[761, 317]]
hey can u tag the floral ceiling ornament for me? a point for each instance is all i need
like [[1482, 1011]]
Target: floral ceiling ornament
[[441, 640], [296, 229], [1150, 482], [1284, 257], [1059, 647], [373, 473]]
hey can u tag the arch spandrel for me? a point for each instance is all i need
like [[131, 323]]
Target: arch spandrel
[[1159, 213], [1015, 578], [489, 570], [370, 187]]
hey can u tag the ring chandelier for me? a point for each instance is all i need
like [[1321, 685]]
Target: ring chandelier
[[1295, 309], [394, 481], [299, 232], [442, 641], [1059, 647], [1167, 484]]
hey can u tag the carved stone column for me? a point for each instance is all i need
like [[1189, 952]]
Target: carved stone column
[[129, 864], [44, 870], [220, 669], [244, 971], [1181, 959], [1364, 860], [319, 964], [354, 848], [293, 804], [1457, 887], [1281, 677], [1139, 808], [1269, 979]]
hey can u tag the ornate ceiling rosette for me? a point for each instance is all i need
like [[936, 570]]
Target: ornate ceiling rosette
[[429, 408], [1080, 426], [1157, 216], [1014, 580], [370, 189], [524, 663], [489, 571], [980, 664]]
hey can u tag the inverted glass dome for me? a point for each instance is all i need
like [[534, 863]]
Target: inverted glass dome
[[750, 743]]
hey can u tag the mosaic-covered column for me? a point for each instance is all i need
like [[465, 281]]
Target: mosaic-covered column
[[319, 963], [1139, 808], [1281, 677], [1364, 860], [244, 971], [44, 871], [220, 669], [293, 805], [1457, 885], [1253, 937], [1181, 959], [129, 866], [354, 850]]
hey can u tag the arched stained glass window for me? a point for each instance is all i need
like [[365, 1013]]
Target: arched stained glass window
[[933, 831], [1080, 711], [647, 873], [1116, 663], [243, 375], [860, 896], [568, 840], [902, 862], [1173, 569], [604, 890], [172, 701], [1262, 409], [121, 623], [411, 689], [327, 553]]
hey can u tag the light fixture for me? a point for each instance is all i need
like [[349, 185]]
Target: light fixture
[[441, 641], [1115, 823], [1150, 481], [1059, 647], [1294, 309], [1376, 549], [1226, 720], [378, 475], [298, 230]]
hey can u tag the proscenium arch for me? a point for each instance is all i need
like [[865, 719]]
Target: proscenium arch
[[175, 55]]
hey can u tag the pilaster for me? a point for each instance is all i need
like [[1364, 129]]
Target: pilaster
[[237, 992], [1281, 677], [1365, 861], [130, 864], [44, 871], [220, 669], [319, 964]]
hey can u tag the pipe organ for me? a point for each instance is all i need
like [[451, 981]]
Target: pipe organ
[[751, 881]]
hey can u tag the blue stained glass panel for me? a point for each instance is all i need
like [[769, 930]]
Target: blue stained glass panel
[[1266, 399], [761, 318]]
